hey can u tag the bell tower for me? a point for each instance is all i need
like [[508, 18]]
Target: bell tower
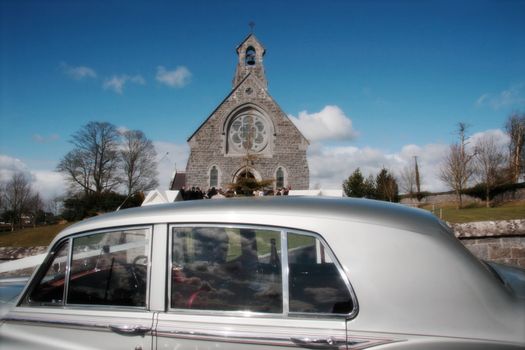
[[250, 53]]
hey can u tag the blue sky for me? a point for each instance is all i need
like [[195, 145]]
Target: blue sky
[[397, 76]]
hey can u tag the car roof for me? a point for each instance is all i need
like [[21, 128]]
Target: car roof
[[347, 209]]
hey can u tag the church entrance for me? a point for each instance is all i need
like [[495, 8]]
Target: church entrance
[[246, 173]]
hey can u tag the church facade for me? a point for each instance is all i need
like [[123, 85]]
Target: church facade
[[247, 135]]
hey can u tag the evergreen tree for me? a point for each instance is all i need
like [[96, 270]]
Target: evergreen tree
[[354, 186], [386, 186]]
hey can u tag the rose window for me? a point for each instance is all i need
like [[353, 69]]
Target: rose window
[[248, 133]]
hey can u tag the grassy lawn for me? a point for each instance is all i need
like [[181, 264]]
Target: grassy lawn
[[507, 211], [31, 237]]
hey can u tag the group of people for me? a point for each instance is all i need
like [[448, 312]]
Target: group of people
[[213, 193]]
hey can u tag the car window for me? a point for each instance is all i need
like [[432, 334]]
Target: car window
[[109, 268], [239, 269], [227, 269], [50, 289], [106, 268], [315, 283]]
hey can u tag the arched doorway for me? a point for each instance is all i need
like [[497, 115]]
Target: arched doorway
[[246, 173]]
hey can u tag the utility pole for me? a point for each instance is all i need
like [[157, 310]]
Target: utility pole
[[418, 181]]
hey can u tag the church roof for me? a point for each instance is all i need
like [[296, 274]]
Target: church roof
[[179, 181], [226, 98], [218, 106], [251, 35]]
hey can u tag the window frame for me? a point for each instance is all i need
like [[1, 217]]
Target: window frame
[[35, 280], [283, 233], [211, 176]]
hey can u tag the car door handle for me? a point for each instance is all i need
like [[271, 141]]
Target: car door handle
[[129, 329], [317, 343]]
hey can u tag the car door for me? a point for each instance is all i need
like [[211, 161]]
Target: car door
[[241, 287], [90, 293]]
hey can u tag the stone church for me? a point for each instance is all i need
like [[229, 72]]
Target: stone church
[[247, 135]]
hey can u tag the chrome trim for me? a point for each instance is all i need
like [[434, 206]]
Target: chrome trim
[[76, 324], [39, 273], [285, 271], [237, 337], [68, 270], [238, 313], [332, 342], [129, 329], [147, 230], [342, 273]]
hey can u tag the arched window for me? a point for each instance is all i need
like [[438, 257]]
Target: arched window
[[279, 178], [214, 177], [249, 57]]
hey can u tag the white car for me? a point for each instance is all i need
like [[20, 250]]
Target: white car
[[266, 273]]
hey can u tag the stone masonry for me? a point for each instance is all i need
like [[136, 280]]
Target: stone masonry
[[498, 241], [212, 143]]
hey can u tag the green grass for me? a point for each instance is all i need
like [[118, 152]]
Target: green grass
[[31, 237], [508, 211]]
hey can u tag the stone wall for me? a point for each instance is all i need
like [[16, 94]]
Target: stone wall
[[440, 199], [517, 195], [498, 241]]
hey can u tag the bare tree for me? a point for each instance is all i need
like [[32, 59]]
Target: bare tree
[[457, 168], [489, 161], [408, 180], [515, 128], [138, 162], [92, 164], [78, 170], [17, 197], [35, 206]]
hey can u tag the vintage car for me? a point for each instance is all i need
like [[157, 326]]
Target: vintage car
[[313, 273]]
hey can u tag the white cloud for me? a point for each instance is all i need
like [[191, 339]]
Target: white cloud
[[45, 139], [499, 136], [170, 156], [117, 82], [330, 123], [48, 184], [513, 97], [122, 129], [179, 77], [9, 166], [78, 73], [330, 166]]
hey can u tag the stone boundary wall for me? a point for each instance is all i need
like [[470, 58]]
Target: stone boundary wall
[[517, 195], [498, 241]]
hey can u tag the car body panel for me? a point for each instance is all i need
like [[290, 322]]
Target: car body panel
[[71, 328], [416, 286]]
